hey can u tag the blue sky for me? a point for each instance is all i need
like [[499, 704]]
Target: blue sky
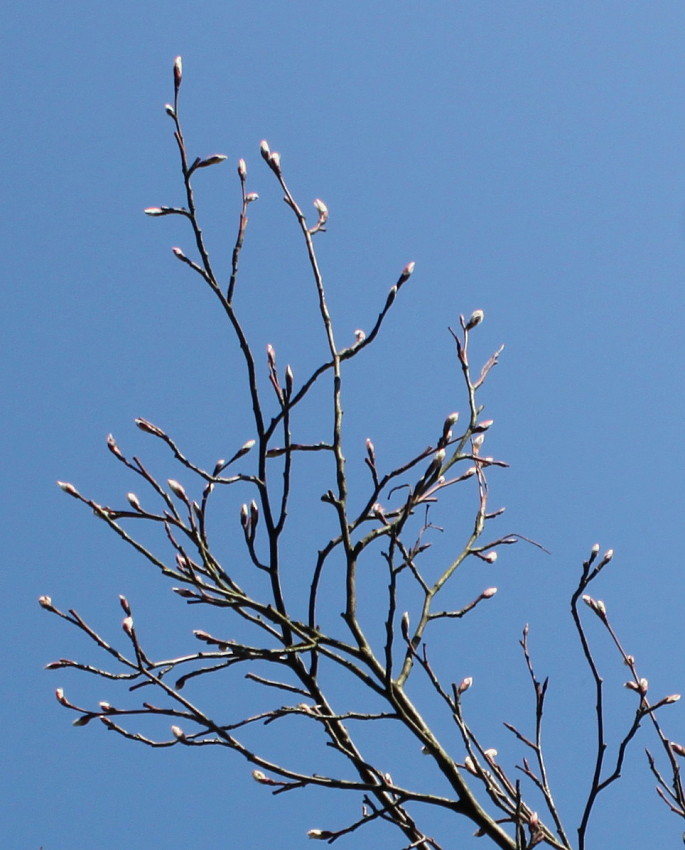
[[529, 158]]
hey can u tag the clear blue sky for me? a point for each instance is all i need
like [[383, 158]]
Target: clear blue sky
[[530, 158]]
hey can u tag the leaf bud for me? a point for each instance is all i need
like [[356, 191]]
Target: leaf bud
[[608, 555], [178, 733], [489, 592], [170, 111], [68, 488], [407, 272], [177, 489], [178, 72], [359, 335], [134, 502], [149, 428], [214, 159], [242, 168], [45, 602], [476, 318], [678, 749], [470, 766], [465, 684], [265, 150], [251, 196], [178, 253], [113, 447]]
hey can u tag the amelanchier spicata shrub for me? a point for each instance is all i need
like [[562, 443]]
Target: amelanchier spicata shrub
[[340, 671]]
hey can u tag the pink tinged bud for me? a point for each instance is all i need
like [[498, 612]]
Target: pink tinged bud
[[127, 625], [134, 502], [245, 448], [315, 833], [148, 427], [596, 604], [359, 335], [178, 72], [105, 706], [451, 419], [45, 602], [439, 457], [470, 766], [274, 161], [465, 684], [271, 356], [377, 511], [254, 513], [490, 557], [264, 149], [644, 686], [177, 489], [83, 720], [244, 516], [57, 665], [477, 442], [123, 601], [170, 111], [483, 426], [407, 272], [608, 555], [178, 733], [476, 318], [489, 592], [490, 754], [321, 208], [289, 378], [251, 196], [405, 625], [669, 700], [632, 686], [178, 253], [678, 749], [534, 820], [68, 488], [113, 447], [261, 777], [595, 550], [242, 169], [215, 159], [61, 699]]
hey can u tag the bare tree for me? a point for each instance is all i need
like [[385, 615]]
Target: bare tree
[[339, 664]]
